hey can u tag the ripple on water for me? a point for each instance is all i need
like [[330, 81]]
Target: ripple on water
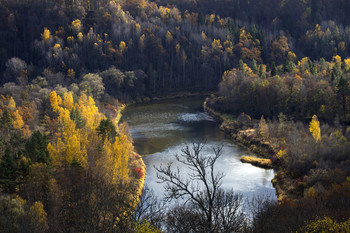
[[194, 117], [154, 130]]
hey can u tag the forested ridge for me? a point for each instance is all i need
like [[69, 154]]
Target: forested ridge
[[279, 72]]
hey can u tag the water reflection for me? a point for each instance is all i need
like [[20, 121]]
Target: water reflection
[[160, 130]]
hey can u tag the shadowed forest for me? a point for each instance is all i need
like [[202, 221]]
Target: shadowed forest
[[276, 72]]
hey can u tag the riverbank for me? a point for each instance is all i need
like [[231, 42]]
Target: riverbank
[[139, 172], [242, 129], [175, 95]]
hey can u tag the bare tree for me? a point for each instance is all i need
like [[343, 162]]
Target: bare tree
[[149, 209], [213, 208]]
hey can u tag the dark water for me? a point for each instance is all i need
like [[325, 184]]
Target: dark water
[[160, 129]]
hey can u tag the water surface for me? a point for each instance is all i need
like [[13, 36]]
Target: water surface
[[160, 129]]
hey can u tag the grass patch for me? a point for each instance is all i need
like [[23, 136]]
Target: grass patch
[[228, 117], [258, 162]]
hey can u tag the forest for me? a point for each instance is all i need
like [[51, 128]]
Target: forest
[[276, 72]]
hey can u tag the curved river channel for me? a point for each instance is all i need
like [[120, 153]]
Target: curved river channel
[[161, 128]]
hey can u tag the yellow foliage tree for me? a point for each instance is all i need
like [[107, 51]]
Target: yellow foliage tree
[[70, 144], [89, 112], [57, 46], [66, 123], [46, 34], [142, 42], [326, 225], [168, 37], [315, 129], [336, 60], [263, 128], [282, 155], [216, 45], [347, 65], [291, 56], [38, 220], [122, 149], [164, 12], [55, 101], [80, 36], [77, 26], [177, 48], [118, 116], [204, 37], [73, 143], [122, 46], [68, 101], [55, 151], [74, 150], [17, 120], [12, 104], [304, 65]]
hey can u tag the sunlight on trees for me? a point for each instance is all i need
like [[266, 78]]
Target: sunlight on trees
[[46, 35], [315, 129]]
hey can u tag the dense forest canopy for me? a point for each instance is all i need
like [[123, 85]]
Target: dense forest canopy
[[278, 71], [164, 48]]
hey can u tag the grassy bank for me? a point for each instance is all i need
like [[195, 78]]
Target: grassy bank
[[258, 162]]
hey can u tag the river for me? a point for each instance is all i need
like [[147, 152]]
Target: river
[[161, 128]]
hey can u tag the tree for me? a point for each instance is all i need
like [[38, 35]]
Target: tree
[[77, 118], [55, 101], [76, 26], [36, 148], [326, 225], [263, 128], [8, 171], [106, 129], [38, 183], [12, 104], [17, 120], [273, 69], [38, 220], [45, 35], [343, 91], [93, 85], [315, 129], [68, 101], [215, 209], [6, 119], [279, 49], [149, 209], [16, 70], [113, 80], [254, 66], [11, 213]]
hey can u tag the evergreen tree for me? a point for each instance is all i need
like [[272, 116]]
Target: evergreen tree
[[273, 69], [36, 148], [254, 67], [288, 66], [8, 171], [6, 119], [262, 72], [343, 92], [106, 129], [241, 65], [77, 118]]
